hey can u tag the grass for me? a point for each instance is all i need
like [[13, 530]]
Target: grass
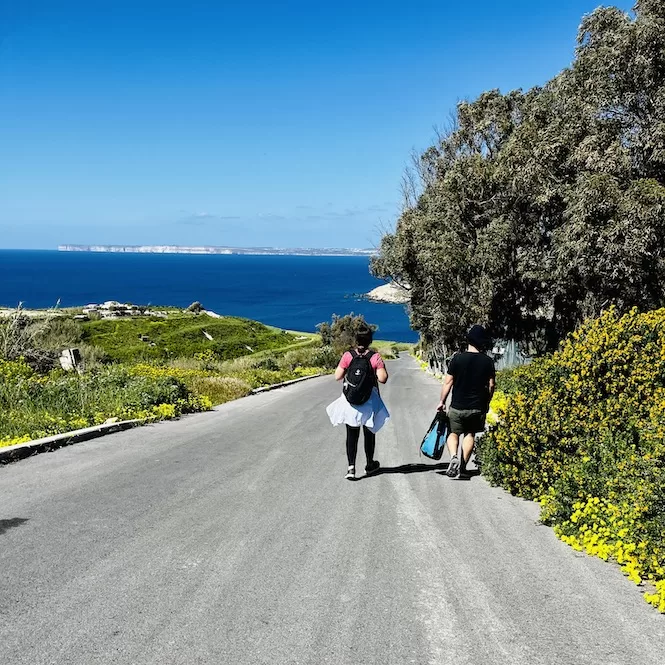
[[390, 350], [34, 405], [181, 335], [145, 367]]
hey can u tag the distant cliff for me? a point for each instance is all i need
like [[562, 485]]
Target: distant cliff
[[176, 249]]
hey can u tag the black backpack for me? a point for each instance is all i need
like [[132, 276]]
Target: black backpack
[[360, 379]]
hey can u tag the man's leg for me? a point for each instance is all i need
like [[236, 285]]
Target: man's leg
[[453, 444], [456, 428], [475, 423], [467, 447]]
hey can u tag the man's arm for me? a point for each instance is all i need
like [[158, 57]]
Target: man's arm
[[445, 391]]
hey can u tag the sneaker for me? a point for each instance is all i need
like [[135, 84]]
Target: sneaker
[[351, 473], [372, 467], [453, 467]]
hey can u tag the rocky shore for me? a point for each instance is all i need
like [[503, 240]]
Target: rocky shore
[[390, 292]]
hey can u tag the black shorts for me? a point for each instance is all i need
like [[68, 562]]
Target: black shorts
[[466, 421]]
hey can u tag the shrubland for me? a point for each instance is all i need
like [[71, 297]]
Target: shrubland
[[582, 431], [145, 367]]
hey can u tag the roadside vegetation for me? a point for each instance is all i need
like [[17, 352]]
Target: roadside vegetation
[[182, 335], [147, 368], [539, 208], [582, 431], [541, 214]]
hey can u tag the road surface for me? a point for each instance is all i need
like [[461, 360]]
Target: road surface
[[232, 537]]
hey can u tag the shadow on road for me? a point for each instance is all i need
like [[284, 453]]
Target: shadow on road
[[408, 468], [5, 525], [464, 475]]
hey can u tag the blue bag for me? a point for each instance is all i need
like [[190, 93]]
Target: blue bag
[[434, 442]]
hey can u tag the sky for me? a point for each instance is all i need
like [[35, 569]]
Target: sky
[[285, 124]]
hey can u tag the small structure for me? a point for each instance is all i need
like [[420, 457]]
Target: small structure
[[112, 309], [70, 360]]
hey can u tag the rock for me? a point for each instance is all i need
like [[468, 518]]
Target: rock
[[390, 292]]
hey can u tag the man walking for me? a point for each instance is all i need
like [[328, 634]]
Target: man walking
[[471, 377]]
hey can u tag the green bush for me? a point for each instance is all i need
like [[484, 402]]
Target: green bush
[[583, 431], [324, 357], [268, 363], [507, 380], [220, 389], [33, 405], [340, 334], [20, 337], [57, 333]]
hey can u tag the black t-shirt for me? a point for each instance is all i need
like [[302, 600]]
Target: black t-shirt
[[471, 374]]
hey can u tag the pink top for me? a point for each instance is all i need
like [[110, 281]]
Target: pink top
[[376, 361]]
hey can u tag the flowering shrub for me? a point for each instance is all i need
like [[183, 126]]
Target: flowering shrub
[[15, 441], [583, 431], [15, 370], [33, 406], [497, 406], [306, 371]]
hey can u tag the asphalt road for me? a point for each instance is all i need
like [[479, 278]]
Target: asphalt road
[[232, 537]]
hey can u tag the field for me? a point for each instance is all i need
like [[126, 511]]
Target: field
[[142, 367], [182, 335]]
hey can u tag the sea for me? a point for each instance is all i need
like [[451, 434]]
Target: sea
[[290, 292]]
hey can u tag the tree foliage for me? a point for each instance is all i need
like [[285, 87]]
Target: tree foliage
[[538, 209], [340, 334]]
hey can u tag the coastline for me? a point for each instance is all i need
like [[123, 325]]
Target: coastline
[[294, 292], [389, 293], [212, 250]]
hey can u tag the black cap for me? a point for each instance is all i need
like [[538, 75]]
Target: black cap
[[478, 337]]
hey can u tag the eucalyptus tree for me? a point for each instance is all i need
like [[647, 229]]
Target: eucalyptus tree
[[538, 209]]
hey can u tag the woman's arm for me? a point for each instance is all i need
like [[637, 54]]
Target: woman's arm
[[343, 365], [382, 375]]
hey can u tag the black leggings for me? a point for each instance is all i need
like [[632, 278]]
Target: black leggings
[[352, 437]]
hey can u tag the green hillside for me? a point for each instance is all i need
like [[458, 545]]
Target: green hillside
[[182, 335]]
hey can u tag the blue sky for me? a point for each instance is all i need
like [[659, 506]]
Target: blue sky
[[245, 124]]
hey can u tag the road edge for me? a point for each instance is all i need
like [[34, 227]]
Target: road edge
[[50, 443], [283, 384], [19, 451]]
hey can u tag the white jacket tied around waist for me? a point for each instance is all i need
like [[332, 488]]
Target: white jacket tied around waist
[[373, 414]]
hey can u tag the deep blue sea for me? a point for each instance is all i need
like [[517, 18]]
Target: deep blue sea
[[294, 292]]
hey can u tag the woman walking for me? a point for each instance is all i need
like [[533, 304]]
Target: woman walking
[[360, 405]]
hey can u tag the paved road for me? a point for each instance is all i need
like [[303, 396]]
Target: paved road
[[232, 537]]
